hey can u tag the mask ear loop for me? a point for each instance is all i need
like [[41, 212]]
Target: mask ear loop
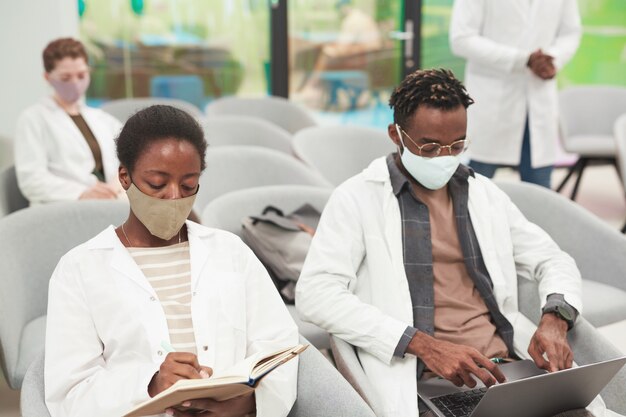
[[399, 136]]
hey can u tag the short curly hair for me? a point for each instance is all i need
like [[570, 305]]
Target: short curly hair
[[436, 88], [62, 48], [155, 123]]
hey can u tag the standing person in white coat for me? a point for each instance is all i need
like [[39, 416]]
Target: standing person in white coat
[[416, 261], [119, 302], [514, 49], [65, 150]]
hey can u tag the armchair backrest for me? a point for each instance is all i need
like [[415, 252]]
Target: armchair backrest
[[340, 152], [11, 198], [597, 248], [31, 243], [123, 108], [280, 111]]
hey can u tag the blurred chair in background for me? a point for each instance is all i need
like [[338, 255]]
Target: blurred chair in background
[[340, 152], [231, 168], [244, 130], [123, 108], [619, 131], [227, 211], [587, 115], [6, 152], [278, 110], [31, 243], [11, 198]]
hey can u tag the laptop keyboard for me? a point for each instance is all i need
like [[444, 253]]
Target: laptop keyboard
[[459, 404]]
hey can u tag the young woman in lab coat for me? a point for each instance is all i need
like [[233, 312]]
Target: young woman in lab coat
[[64, 150], [159, 283]]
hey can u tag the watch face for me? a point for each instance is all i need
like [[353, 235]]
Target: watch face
[[564, 313]]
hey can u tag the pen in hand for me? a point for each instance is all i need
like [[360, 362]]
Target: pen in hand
[[170, 349]]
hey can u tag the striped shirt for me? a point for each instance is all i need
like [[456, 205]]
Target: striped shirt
[[168, 270]]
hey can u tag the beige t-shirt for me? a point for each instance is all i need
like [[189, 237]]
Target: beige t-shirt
[[461, 315], [168, 269]]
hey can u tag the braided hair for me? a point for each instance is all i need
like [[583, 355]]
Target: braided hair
[[437, 88]]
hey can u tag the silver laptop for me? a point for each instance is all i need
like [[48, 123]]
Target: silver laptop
[[528, 392]]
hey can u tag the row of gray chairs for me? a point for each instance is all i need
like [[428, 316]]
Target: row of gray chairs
[[279, 111]]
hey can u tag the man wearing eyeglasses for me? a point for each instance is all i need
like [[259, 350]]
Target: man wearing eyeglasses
[[416, 260]]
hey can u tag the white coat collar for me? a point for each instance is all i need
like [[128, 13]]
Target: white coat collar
[[377, 171], [50, 103], [123, 262]]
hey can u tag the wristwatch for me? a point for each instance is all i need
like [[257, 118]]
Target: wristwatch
[[562, 313]]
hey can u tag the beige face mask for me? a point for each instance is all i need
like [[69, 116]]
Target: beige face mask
[[162, 217]]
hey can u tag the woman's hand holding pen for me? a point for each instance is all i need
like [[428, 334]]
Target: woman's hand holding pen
[[176, 366]]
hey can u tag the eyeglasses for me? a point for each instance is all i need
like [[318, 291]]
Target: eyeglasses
[[431, 150]]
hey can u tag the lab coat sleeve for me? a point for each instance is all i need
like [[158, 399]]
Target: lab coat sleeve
[[35, 180], [538, 257], [269, 328], [77, 379], [467, 41], [568, 37], [323, 296]]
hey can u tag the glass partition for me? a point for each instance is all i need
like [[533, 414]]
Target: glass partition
[[345, 56], [185, 49]]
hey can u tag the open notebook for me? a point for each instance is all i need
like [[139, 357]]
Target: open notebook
[[237, 380]]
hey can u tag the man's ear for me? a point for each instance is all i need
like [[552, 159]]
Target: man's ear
[[392, 132], [124, 177]]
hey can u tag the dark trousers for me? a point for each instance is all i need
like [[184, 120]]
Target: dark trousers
[[540, 176]]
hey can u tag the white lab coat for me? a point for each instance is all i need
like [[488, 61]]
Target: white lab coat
[[52, 158], [354, 285], [497, 37], [105, 324]]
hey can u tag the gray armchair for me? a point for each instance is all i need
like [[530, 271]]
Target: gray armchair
[[31, 243], [123, 108], [597, 248], [280, 111], [11, 198], [325, 148], [322, 392], [236, 130], [231, 168], [226, 212]]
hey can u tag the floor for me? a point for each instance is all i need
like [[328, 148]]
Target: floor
[[601, 193]]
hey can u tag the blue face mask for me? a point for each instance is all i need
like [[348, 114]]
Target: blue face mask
[[432, 173]]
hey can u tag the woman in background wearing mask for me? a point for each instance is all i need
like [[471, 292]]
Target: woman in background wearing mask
[[119, 302], [64, 150]]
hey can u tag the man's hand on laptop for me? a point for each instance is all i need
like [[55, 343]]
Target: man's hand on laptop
[[551, 339], [456, 363]]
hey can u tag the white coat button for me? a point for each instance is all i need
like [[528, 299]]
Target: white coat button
[[152, 298], [160, 353], [205, 348], [194, 293]]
